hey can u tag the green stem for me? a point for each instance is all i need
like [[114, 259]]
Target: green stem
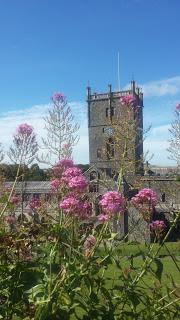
[[15, 181], [103, 230], [167, 305], [11, 192], [50, 267]]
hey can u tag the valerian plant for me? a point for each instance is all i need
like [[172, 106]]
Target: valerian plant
[[62, 132], [64, 261], [174, 142], [23, 152], [24, 146]]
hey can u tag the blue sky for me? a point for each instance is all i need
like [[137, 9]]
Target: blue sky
[[58, 45]]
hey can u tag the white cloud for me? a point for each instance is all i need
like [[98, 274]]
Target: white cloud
[[160, 132], [170, 86], [159, 88], [34, 116], [157, 143]]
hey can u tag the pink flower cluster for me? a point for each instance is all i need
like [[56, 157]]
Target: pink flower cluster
[[158, 226], [178, 107], [60, 166], [70, 204], [24, 129], [145, 196], [127, 100], [103, 218], [78, 183], [65, 163], [73, 184], [68, 175], [112, 202], [55, 184], [75, 206], [34, 203], [58, 97]]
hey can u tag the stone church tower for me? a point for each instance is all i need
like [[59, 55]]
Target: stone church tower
[[106, 115]]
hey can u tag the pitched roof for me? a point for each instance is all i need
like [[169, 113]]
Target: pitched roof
[[30, 186]]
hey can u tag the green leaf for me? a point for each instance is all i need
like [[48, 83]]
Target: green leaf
[[106, 293], [159, 269], [113, 235], [42, 313], [133, 297], [36, 290]]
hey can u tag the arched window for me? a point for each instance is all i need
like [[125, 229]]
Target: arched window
[[112, 111], [163, 197], [93, 175], [107, 112], [99, 153]]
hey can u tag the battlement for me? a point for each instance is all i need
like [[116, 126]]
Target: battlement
[[104, 96], [114, 94]]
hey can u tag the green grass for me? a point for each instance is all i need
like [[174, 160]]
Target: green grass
[[133, 255], [168, 248], [168, 265]]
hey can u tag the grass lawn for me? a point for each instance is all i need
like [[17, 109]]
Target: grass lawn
[[131, 255], [133, 249], [130, 258], [169, 269]]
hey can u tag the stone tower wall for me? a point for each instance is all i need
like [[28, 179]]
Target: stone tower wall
[[102, 110]]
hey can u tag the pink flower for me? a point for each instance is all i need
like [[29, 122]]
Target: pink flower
[[75, 180], [70, 173], [60, 166], [78, 183], [103, 218], [34, 203], [178, 107], [14, 200], [76, 207], [58, 97], [57, 171], [71, 205], [11, 220], [127, 100], [65, 163], [145, 196], [55, 184], [145, 201], [24, 129], [112, 202], [89, 242], [158, 226]]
